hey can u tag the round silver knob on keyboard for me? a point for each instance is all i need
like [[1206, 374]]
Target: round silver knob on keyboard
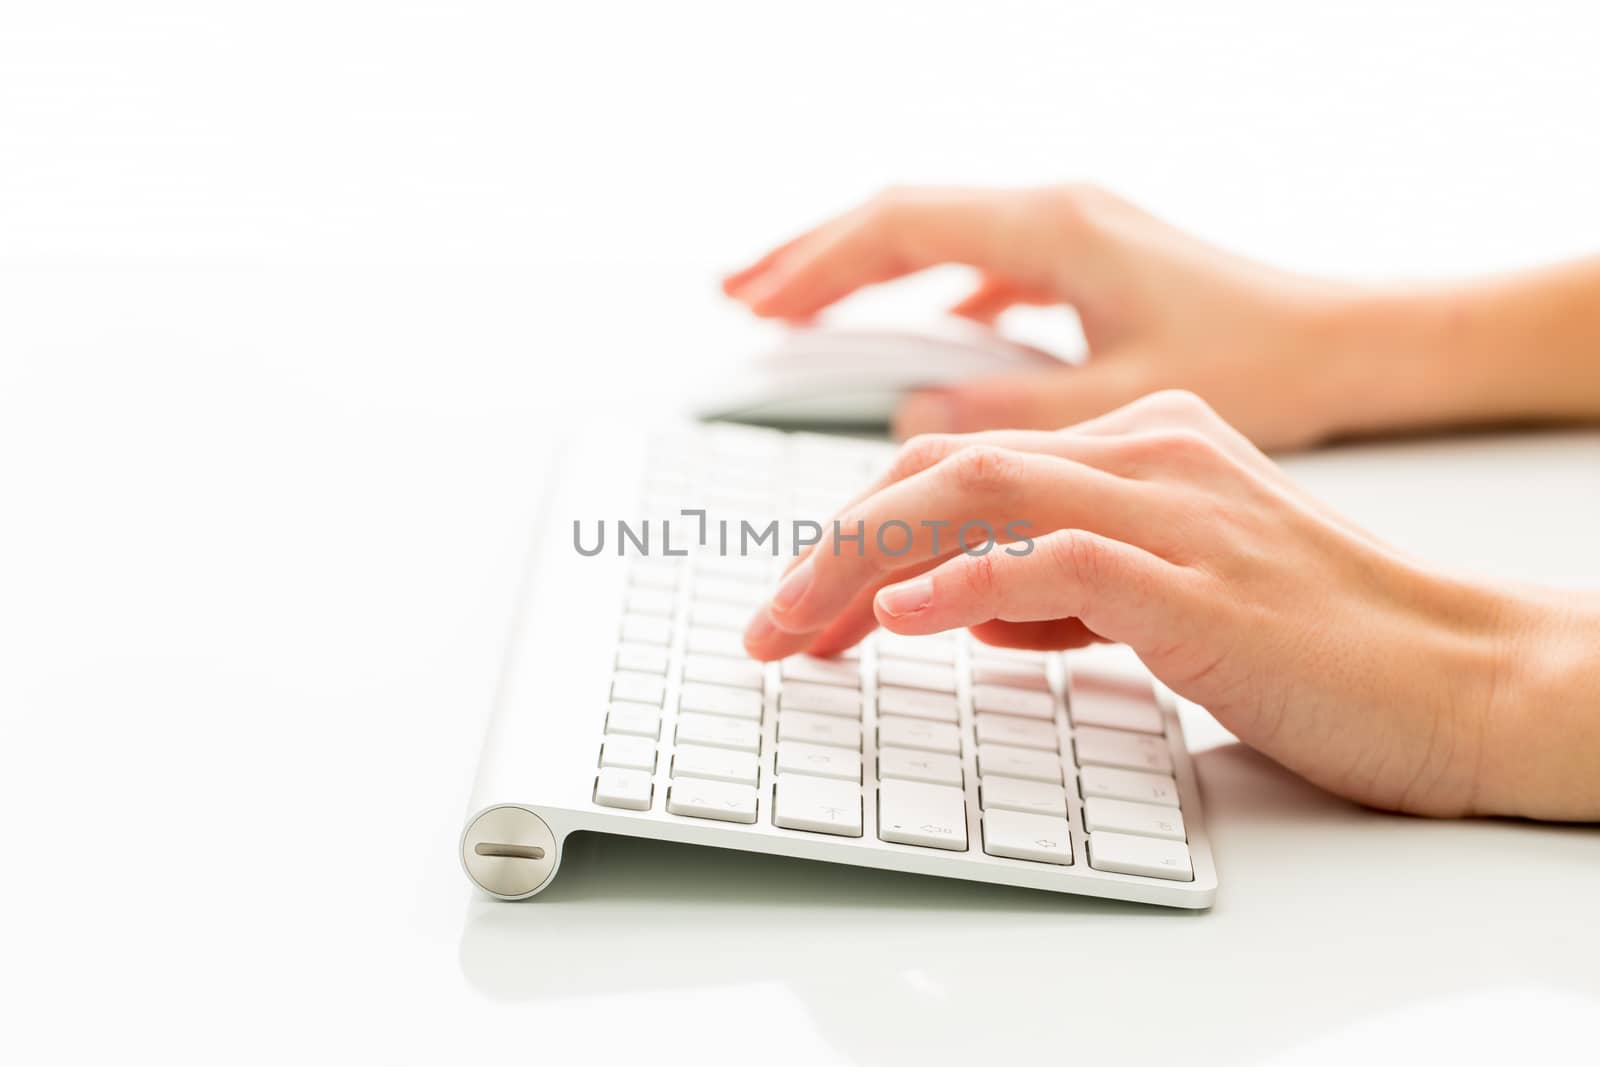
[[509, 851]]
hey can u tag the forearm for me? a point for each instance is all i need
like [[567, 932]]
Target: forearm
[[1524, 347]]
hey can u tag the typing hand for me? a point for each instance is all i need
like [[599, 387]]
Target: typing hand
[[1159, 309], [1160, 526]]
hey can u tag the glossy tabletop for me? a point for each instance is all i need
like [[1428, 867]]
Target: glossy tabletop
[[293, 301]]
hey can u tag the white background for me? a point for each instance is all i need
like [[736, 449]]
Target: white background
[[291, 293]]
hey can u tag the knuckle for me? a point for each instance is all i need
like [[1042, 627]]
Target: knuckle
[[1168, 448], [1077, 556], [1184, 447], [1075, 205], [921, 452], [1179, 403], [887, 202], [984, 469], [978, 576]]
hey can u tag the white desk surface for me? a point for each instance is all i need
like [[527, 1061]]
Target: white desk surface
[[277, 362], [255, 606]]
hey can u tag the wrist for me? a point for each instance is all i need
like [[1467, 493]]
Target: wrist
[[1542, 737], [1388, 360]]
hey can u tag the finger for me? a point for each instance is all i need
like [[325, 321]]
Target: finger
[[1048, 636], [735, 281], [987, 302], [980, 494], [846, 630], [1117, 590], [1104, 451], [902, 233], [994, 296], [1043, 400]]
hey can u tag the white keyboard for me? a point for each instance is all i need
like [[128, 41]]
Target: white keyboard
[[631, 708]]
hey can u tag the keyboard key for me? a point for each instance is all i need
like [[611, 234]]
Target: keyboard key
[[713, 642], [931, 767], [1121, 748], [647, 629], [826, 699], [654, 577], [722, 616], [820, 805], [723, 670], [917, 703], [636, 753], [616, 787], [652, 602], [916, 813], [1127, 817], [720, 590], [1014, 762], [932, 676], [820, 761], [718, 731], [840, 672], [754, 571], [720, 700], [996, 791], [640, 720], [919, 734], [1027, 657], [1014, 675], [639, 688], [1020, 836], [723, 801], [1116, 784], [1153, 858], [935, 648], [1009, 700], [715, 764], [1010, 730], [1119, 703], [819, 730], [646, 659]]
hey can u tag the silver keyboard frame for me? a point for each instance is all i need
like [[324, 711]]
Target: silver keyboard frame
[[537, 773]]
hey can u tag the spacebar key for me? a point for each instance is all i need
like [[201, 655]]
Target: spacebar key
[[917, 813]]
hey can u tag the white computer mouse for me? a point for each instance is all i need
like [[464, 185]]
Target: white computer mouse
[[851, 379]]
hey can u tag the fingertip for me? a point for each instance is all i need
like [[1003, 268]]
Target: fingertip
[[765, 642], [758, 633], [826, 647]]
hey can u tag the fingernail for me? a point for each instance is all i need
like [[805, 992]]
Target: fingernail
[[759, 630], [759, 291], [793, 587], [907, 598], [925, 412]]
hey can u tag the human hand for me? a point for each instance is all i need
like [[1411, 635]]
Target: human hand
[[1159, 526], [1159, 309]]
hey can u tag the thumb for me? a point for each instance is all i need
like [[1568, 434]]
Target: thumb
[[1035, 400]]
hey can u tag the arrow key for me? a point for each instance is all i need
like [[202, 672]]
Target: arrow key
[[722, 801], [1021, 835], [818, 805]]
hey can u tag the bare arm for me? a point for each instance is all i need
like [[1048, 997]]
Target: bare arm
[[1290, 361], [1521, 347]]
